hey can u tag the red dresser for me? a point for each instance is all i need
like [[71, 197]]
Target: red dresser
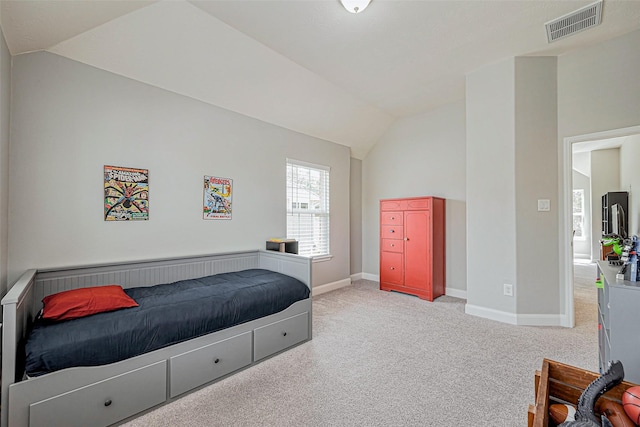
[[412, 255]]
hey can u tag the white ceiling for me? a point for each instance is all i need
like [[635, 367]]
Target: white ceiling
[[306, 65]]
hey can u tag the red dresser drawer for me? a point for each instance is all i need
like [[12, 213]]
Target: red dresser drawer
[[419, 204], [392, 245], [391, 204], [391, 218], [391, 231], [391, 268]]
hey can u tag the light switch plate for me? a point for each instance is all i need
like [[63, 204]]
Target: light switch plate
[[544, 205]]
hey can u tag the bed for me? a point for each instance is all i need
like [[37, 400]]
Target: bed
[[162, 369]]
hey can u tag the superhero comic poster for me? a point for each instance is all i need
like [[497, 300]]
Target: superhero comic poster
[[126, 194], [217, 197]]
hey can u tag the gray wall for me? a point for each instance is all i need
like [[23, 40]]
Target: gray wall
[[491, 191], [582, 247], [605, 177], [356, 216], [511, 164], [69, 120], [630, 180], [536, 171], [5, 104], [598, 90], [421, 155]]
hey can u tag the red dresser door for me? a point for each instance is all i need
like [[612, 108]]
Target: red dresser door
[[417, 250]]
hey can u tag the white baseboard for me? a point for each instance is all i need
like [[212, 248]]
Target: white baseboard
[[491, 314], [369, 276], [541, 320], [456, 293], [317, 290], [515, 319]]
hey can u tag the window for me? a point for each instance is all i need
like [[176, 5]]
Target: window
[[579, 232], [308, 207]]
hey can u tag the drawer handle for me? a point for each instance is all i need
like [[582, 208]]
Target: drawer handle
[[216, 360], [284, 334], [393, 244], [392, 231], [108, 402], [393, 268], [393, 217]]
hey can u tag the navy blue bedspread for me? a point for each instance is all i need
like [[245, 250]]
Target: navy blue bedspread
[[168, 314]]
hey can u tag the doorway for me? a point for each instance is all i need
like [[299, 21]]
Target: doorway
[[591, 141]]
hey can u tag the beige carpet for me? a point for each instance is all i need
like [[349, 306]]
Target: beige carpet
[[388, 359]]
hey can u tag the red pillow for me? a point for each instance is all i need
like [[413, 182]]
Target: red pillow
[[85, 302]]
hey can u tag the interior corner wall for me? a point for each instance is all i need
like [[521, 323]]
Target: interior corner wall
[[5, 106], [582, 162], [68, 120], [582, 247], [491, 198], [605, 177], [355, 211], [536, 175], [630, 180], [420, 155]]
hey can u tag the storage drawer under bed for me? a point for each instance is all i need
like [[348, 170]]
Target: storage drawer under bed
[[277, 336], [197, 367], [106, 402]]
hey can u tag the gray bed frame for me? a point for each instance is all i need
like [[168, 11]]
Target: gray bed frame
[[109, 394]]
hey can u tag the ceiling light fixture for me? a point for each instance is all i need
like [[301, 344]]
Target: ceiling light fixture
[[355, 6]]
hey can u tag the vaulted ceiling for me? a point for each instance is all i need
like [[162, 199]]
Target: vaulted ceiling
[[306, 65]]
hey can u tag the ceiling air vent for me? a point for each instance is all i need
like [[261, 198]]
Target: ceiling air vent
[[571, 23]]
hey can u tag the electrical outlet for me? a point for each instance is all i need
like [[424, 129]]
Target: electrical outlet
[[508, 290]]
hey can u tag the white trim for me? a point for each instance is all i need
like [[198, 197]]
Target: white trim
[[491, 314], [321, 258], [516, 319], [541, 320], [318, 290], [456, 293], [357, 276], [308, 164], [566, 214], [372, 277]]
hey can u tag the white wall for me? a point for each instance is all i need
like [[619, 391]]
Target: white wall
[[69, 120], [5, 105], [421, 155], [491, 186], [355, 211], [582, 247], [582, 162], [630, 180]]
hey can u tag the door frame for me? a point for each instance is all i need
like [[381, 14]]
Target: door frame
[[566, 219]]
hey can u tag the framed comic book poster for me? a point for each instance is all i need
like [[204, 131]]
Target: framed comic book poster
[[217, 197], [126, 194]]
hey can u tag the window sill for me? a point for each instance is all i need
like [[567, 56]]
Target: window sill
[[321, 258]]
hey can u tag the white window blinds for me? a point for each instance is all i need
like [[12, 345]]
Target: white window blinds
[[308, 207]]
